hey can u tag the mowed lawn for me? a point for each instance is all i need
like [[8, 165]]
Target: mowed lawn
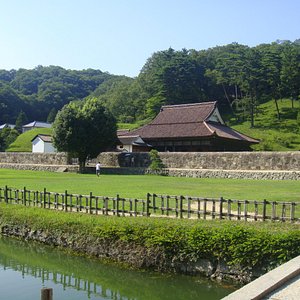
[[137, 186]]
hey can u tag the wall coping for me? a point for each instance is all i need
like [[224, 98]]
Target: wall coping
[[268, 282]]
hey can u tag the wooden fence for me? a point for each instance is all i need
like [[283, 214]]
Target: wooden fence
[[156, 205]]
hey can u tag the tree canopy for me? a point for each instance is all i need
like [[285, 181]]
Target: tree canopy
[[84, 129], [237, 76]]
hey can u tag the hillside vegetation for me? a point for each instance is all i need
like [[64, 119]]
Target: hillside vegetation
[[274, 134]]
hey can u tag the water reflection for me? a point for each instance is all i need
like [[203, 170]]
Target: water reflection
[[88, 279]]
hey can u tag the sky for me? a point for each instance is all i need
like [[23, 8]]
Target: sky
[[118, 36]]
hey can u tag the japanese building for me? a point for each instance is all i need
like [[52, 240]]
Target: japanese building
[[191, 128]]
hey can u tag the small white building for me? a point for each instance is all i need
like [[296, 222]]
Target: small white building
[[42, 143], [35, 124]]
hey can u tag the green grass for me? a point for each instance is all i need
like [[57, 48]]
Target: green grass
[[137, 186], [274, 134], [23, 141]]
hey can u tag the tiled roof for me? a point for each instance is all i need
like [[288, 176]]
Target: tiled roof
[[187, 121], [44, 137], [184, 113], [229, 133]]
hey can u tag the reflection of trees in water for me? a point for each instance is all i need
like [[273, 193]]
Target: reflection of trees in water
[[98, 279], [67, 281], [26, 262]]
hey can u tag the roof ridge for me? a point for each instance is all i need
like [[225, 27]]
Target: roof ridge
[[188, 104]]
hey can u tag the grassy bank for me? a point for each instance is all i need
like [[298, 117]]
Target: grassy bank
[[259, 246], [137, 186]]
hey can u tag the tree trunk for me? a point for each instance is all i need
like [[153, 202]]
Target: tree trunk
[[81, 166], [252, 111], [277, 108], [226, 95]]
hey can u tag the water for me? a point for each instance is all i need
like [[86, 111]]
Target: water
[[26, 267]]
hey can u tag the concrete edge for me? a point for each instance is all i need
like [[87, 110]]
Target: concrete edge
[[268, 282]]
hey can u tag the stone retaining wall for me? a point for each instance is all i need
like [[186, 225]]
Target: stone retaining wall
[[276, 161], [198, 173], [34, 158]]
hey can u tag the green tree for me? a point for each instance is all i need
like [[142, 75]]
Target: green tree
[[21, 120], [7, 136], [173, 77], [84, 129], [290, 71], [156, 163], [52, 115]]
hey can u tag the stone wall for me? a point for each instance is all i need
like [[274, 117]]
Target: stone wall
[[275, 161], [34, 158]]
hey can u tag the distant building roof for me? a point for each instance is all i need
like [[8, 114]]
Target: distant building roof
[[44, 137], [37, 124], [7, 125]]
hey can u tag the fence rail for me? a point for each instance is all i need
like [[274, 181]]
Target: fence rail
[[156, 205]]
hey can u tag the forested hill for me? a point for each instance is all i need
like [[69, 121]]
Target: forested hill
[[38, 91], [237, 76]]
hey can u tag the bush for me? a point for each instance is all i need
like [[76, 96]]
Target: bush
[[156, 163], [249, 245]]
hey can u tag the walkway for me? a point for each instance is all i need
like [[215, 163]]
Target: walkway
[[282, 283]]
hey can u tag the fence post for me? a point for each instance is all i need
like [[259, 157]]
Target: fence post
[[221, 208], [181, 206], [117, 208], [147, 204], [293, 206], [245, 210], [204, 209], [66, 200], [6, 194], [189, 207], [213, 212], [91, 202], [46, 294], [44, 198], [24, 196], [229, 209], [264, 210], [154, 202]]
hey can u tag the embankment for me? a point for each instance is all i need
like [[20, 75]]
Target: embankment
[[221, 250]]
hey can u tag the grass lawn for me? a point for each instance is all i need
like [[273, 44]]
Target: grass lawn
[[137, 186]]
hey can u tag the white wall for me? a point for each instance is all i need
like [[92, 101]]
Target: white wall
[[40, 146]]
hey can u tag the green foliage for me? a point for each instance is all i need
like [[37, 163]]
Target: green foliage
[[7, 137], [274, 135], [23, 141], [52, 115], [21, 120], [156, 163], [84, 129], [248, 245], [230, 74]]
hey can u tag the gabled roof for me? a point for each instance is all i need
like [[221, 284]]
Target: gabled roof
[[135, 140], [184, 113], [37, 124], [44, 137], [188, 121]]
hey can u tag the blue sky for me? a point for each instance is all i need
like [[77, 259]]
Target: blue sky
[[117, 36]]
